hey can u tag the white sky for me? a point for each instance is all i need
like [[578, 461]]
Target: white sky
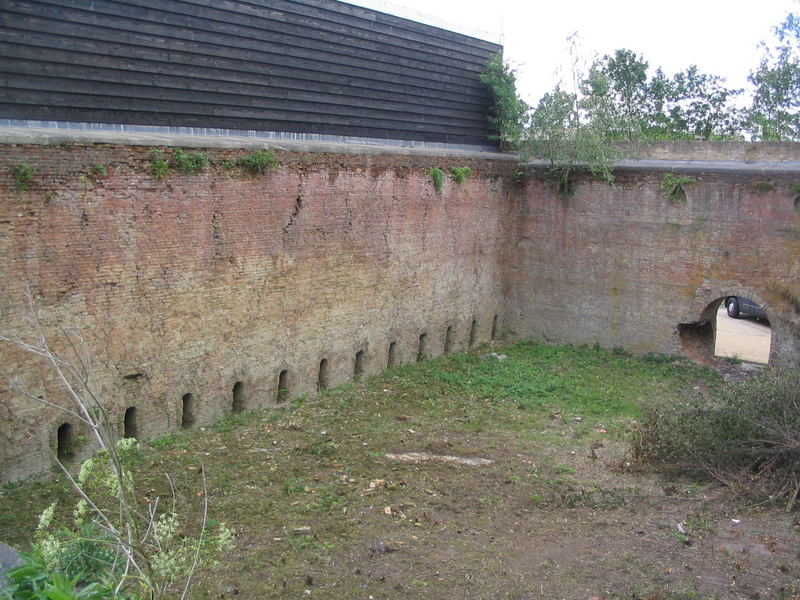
[[720, 36]]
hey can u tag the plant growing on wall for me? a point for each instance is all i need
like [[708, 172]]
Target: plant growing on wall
[[23, 175], [159, 167], [460, 174], [509, 113], [259, 162], [190, 163], [672, 186], [437, 177]]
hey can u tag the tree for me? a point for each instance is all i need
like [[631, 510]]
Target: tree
[[700, 107], [617, 95], [509, 113], [559, 135], [620, 98], [775, 112]]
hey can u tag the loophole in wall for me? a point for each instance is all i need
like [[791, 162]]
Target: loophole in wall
[[283, 386], [422, 347], [129, 423], [65, 443], [495, 322], [238, 404], [187, 411], [358, 367], [473, 331], [322, 376], [391, 355], [448, 339]]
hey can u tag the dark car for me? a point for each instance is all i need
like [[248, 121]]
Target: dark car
[[738, 305]]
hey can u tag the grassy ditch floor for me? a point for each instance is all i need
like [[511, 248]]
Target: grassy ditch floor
[[326, 505]]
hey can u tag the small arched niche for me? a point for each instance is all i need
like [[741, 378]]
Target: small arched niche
[[238, 400], [187, 411], [65, 443], [129, 423]]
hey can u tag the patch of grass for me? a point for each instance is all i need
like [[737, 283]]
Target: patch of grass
[[168, 442], [259, 162], [23, 176]]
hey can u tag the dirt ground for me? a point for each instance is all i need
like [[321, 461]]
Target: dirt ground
[[325, 504]]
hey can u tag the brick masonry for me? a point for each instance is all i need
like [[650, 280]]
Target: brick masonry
[[625, 267], [194, 284]]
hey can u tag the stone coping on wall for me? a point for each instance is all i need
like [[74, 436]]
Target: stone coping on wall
[[54, 137], [697, 166]]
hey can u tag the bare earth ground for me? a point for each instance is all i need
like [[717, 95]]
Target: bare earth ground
[[321, 511]]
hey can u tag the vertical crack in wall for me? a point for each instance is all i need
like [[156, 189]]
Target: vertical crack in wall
[[298, 206]]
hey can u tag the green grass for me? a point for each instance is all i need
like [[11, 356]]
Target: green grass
[[319, 461]]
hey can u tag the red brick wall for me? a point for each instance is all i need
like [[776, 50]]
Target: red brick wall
[[192, 283], [623, 266]]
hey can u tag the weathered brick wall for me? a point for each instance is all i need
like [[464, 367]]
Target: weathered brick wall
[[193, 283], [624, 266]]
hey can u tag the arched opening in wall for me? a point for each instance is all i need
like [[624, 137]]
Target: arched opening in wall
[[743, 331], [238, 397], [495, 321], [473, 331], [322, 376], [283, 386], [448, 339], [422, 347], [391, 355], [187, 411], [129, 422], [65, 443], [358, 366]]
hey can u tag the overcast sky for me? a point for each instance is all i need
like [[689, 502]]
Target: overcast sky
[[720, 36]]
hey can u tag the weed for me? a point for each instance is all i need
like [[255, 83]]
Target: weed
[[159, 167], [673, 186], [743, 435], [167, 442], [227, 164], [794, 188], [437, 177], [762, 186], [99, 170], [190, 163], [259, 162], [460, 174], [23, 175], [230, 422], [294, 485]]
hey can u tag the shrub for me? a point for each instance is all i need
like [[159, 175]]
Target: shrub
[[190, 163], [672, 186], [259, 161], [460, 174], [747, 436], [159, 166], [23, 175], [437, 177]]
